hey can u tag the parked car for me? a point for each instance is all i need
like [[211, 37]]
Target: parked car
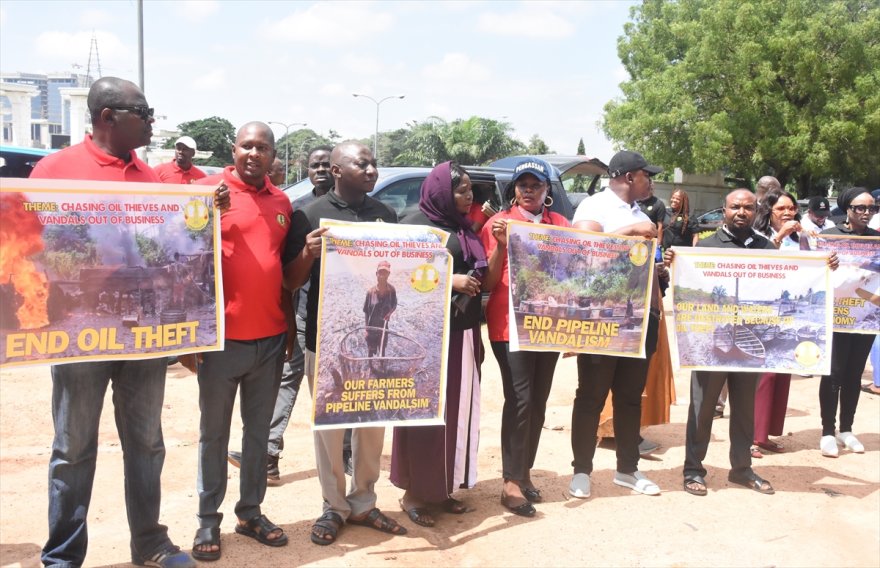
[[567, 169], [400, 187], [18, 161], [710, 220]]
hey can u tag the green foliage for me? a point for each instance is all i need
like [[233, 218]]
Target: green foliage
[[473, 141], [785, 87], [295, 147], [537, 146], [582, 150], [150, 251], [68, 248], [212, 134]]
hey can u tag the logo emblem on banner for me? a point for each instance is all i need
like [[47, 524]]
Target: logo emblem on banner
[[195, 215], [424, 278], [638, 254]]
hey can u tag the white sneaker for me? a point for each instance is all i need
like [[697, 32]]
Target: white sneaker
[[637, 482], [850, 442], [579, 486], [828, 445]]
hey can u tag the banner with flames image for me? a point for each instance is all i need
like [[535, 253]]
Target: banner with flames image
[[107, 271]]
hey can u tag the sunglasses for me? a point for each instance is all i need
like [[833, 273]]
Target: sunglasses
[[872, 209], [144, 112]]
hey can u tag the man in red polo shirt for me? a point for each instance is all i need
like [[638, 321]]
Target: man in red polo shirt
[[253, 230], [121, 121], [181, 170]]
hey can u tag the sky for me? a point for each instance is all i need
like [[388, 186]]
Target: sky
[[546, 67]]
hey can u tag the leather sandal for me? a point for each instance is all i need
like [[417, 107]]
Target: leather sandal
[[206, 536], [259, 529]]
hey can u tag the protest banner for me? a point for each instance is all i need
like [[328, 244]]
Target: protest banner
[[739, 309], [107, 271], [578, 291], [383, 312], [856, 282]]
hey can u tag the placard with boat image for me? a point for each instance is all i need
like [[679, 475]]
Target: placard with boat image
[[739, 309], [856, 282], [578, 291]]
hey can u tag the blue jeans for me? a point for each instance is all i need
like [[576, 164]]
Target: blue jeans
[[77, 400], [291, 378]]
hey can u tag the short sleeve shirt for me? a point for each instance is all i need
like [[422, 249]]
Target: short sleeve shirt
[[254, 233], [306, 220], [609, 211], [88, 161], [172, 173]]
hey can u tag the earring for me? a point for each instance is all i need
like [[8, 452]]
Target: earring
[[513, 200], [548, 201]]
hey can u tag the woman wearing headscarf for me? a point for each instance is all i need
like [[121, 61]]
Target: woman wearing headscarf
[[430, 462], [778, 219], [526, 375], [849, 351]]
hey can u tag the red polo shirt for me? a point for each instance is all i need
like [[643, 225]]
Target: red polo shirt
[[253, 231], [172, 173], [497, 308], [87, 161]]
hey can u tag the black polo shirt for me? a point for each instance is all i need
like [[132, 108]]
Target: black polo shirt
[[306, 220], [723, 239], [843, 229]]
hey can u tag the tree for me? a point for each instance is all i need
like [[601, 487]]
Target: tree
[[295, 146], [537, 146], [753, 87], [471, 141], [212, 134], [580, 181]]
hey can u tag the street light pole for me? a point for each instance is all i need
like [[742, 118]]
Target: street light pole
[[287, 144], [376, 135]]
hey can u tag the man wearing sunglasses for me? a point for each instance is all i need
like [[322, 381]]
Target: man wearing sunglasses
[[121, 122]]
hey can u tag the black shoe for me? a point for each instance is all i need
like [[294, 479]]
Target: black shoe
[[272, 471], [234, 458], [346, 461]]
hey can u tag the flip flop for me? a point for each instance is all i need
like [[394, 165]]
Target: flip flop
[[753, 482], [327, 524], [869, 388], [259, 529], [700, 491], [756, 453], [419, 515], [375, 519]]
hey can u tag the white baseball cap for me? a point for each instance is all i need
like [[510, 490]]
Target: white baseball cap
[[186, 141]]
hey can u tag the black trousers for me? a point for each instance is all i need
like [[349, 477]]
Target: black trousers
[[526, 377], [625, 377], [705, 388], [849, 353]]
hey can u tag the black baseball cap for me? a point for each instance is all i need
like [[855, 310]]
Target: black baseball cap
[[626, 161], [820, 205]]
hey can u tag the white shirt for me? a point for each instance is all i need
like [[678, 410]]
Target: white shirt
[[609, 211], [808, 225]]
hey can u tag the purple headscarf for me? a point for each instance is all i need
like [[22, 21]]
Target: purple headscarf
[[438, 205]]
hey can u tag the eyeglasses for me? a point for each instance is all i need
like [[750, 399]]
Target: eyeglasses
[[144, 112], [872, 209]]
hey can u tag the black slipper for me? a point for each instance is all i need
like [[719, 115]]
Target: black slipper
[[329, 524], [259, 529], [419, 515], [377, 520], [533, 494], [753, 482], [207, 536], [455, 507], [524, 509], [699, 492]]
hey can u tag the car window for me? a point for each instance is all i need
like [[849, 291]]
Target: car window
[[402, 196]]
